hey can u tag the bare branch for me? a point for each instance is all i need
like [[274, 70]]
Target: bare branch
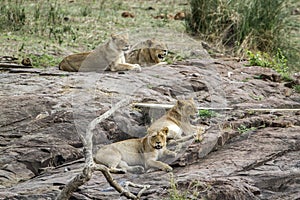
[[91, 166], [144, 187], [168, 106]]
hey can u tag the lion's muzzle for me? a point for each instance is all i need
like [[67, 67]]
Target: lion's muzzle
[[158, 145], [162, 55]]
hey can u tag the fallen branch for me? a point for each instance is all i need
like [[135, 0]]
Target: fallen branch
[[167, 106], [144, 187], [91, 166]]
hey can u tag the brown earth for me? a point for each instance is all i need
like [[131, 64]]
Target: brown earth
[[245, 154]]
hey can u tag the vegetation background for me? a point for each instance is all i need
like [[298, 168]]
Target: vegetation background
[[46, 31]]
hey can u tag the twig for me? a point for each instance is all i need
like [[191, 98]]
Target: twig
[[273, 109], [144, 187], [167, 106]]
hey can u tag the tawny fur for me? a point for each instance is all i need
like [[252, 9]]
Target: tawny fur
[[134, 154], [147, 53], [177, 119], [107, 57]]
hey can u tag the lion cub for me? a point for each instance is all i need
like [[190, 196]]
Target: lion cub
[[177, 119], [130, 155], [107, 57], [147, 53]]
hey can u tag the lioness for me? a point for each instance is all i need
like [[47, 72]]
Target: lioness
[[177, 119], [108, 57], [130, 155], [146, 53]]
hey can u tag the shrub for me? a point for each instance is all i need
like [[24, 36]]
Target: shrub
[[278, 62], [247, 25]]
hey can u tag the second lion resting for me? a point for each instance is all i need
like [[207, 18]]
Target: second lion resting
[[147, 53], [131, 155], [177, 119]]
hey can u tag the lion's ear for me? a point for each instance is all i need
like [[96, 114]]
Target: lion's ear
[[165, 130], [179, 103], [149, 42], [113, 36]]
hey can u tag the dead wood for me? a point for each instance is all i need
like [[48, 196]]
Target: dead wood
[[91, 166], [167, 106]]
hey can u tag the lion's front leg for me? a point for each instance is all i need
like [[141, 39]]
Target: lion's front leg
[[126, 66], [159, 165], [167, 152]]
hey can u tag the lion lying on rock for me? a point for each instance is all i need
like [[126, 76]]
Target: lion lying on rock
[[147, 53], [134, 154], [177, 119], [108, 57]]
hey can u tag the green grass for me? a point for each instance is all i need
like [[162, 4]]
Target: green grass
[[255, 25], [206, 114], [296, 88], [244, 129], [43, 60], [278, 62]]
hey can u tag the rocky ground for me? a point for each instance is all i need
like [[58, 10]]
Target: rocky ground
[[245, 154]]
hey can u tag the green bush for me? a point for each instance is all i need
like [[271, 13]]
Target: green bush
[[241, 25], [277, 62]]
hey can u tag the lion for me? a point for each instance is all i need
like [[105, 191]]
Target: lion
[[147, 53], [177, 119], [131, 155], [107, 57]]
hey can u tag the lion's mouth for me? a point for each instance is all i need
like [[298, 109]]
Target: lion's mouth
[[158, 146], [162, 55]]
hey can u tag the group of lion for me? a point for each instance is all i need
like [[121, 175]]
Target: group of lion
[[112, 57], [136, 155]]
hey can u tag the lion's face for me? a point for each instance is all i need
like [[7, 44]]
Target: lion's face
[[121, 41], [157, 48], [160, 53], [187, 107], [158, 140]]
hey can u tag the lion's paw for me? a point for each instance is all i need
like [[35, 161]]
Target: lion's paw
[[199, 134], [138, 169], [137, 68], [168, 168]]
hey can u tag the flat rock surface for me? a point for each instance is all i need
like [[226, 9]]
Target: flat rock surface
[[245, 154]]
